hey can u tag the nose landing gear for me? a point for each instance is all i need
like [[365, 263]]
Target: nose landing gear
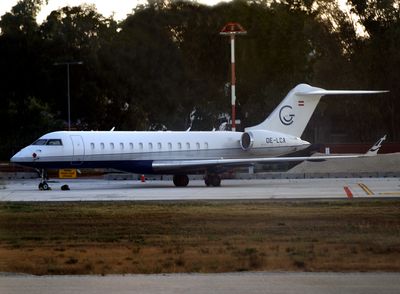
[[43, 185]]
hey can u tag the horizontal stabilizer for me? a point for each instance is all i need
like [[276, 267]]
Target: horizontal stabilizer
[[322, 92]]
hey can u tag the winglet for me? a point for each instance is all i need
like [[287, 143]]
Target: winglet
[[375, 148]]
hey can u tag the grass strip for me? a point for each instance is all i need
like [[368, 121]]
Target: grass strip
[[203, 236]]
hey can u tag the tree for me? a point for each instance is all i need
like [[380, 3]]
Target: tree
[[167, 58], [20, 64], [377, 61], [78, 34]]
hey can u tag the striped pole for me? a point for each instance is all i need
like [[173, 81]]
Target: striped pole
[[233, 29], [233, 83]]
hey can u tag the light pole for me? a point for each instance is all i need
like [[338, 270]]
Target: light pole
[[232, 29], [68, 63]]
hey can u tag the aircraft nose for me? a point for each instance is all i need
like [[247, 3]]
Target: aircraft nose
[[16, 157], [21, 156]]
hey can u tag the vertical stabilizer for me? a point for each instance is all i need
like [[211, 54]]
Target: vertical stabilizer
[[294, 112]]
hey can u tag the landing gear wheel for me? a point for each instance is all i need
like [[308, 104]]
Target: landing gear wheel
[[181, 180], [44, 186], [212, 180], [216, 181]]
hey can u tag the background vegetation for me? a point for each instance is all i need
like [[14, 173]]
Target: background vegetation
[[167, 59]]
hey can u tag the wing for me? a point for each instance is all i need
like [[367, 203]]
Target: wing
[[222, 163]]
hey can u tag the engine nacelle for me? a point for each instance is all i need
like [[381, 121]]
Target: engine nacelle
[[263, 138], [247, 140]]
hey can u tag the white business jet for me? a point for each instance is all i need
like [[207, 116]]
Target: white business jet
[[183, 153]]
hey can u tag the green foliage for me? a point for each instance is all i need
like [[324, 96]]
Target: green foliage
[[167, 58]]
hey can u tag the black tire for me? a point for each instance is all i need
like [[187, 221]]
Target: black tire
[[175, 180], [40, 186], [181, 180], [45, 186], [215, 180], [185, 179]]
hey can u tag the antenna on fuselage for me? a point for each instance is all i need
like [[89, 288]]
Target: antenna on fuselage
[[112, 130]]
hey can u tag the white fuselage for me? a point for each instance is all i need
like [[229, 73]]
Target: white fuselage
[[135, 151]]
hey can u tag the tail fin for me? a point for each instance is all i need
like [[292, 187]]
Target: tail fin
[[375, 148], [294, 112]]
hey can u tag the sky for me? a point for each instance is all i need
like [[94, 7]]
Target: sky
[[120, 8]]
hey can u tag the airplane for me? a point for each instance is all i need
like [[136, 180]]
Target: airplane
[[181, 153]]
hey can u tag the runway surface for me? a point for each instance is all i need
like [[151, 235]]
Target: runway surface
[[104, 190], [231, 283]]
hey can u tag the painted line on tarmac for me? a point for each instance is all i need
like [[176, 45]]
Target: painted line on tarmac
[[366, 189], [348, 192]]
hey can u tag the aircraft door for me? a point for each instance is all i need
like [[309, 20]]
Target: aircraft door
[[78, 149]]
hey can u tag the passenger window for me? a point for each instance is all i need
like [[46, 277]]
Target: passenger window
[[169, 146], [159, 146], [198, 146], [141, 146], [92, 145], [179, 146], [206, 145], [121, 145], [150, 146], [112, 145], [131, 146], [40, 142], [188, 146], [53, 142], [102, 146]]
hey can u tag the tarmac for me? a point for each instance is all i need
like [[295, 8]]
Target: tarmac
[[134, 190], [229, 283]]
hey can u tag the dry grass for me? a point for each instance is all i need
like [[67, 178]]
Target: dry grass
[[129, 237]]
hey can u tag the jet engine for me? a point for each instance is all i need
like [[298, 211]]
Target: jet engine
[[247, 140], [255, 139]]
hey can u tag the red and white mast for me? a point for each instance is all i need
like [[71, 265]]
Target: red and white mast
[[231, 29]]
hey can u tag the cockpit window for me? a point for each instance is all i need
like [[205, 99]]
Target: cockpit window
[[54, 142], [40, 142]]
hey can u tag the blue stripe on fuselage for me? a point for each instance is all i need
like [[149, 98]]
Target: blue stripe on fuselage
[[133, 166]]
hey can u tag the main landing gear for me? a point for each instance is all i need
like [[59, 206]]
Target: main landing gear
[[212, 180], [181, 180], [43, 185]]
